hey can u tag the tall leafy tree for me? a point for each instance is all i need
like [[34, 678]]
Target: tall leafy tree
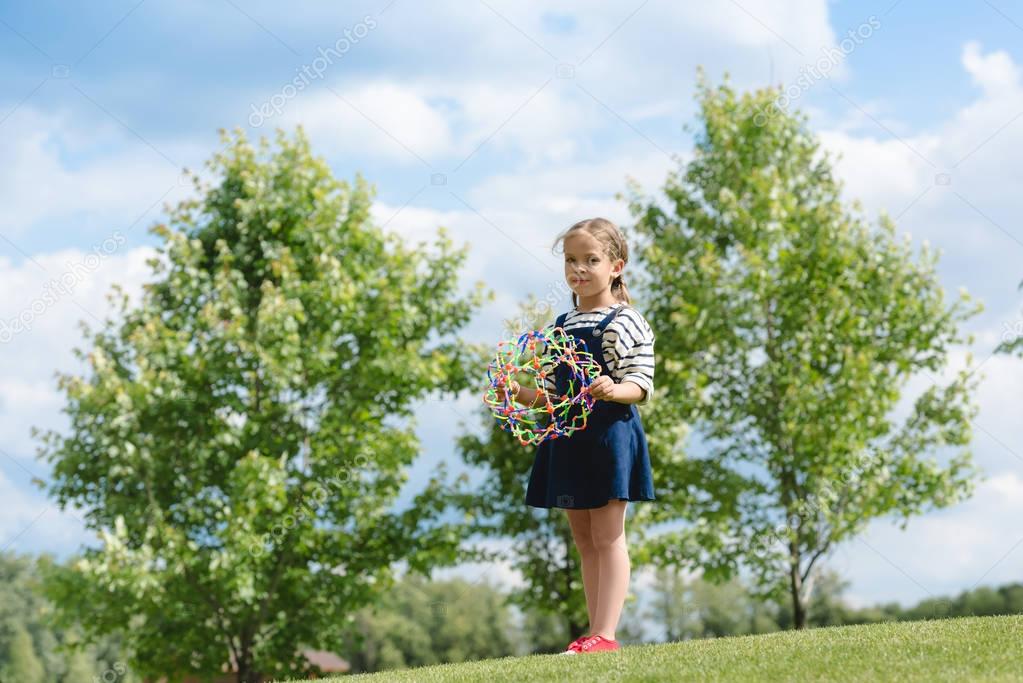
[[242, 432], [787, 328], [538, 543]]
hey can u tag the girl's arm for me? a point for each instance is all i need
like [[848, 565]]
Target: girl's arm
[[633, 352], [627, 391], [604, 388], [527, 396]]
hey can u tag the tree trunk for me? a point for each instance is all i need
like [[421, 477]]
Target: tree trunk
[[249, 675], [246, 673], [796, 588]]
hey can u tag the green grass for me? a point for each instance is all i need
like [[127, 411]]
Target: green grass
[[963, 649]]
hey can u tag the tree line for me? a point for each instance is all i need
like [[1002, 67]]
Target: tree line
[[421, 622]]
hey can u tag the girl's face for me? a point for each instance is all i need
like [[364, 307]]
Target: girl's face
[[588, 270]]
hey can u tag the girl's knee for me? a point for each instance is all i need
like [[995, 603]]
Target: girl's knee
[[603, 540], [579, 522]]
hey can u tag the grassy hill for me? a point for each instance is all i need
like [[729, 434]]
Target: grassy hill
[[964, 649]]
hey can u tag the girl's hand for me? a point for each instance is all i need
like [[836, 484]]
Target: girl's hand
[[514, 391], [603, 388]]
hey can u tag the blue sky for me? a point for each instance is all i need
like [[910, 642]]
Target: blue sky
[[533, 113]]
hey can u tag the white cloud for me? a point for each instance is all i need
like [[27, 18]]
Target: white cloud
[[449, 124], [481, 76], [38, 183], [998, 431], [942, 553], [510, 238], [544, 123], [380, 119], [565, 192], [994, 72], [884, 172], [39, 328], [952, 184]]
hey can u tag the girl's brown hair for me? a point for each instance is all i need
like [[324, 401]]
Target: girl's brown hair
[[609, 235]]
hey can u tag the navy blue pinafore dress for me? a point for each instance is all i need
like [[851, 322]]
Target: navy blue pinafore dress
[[607, 460]]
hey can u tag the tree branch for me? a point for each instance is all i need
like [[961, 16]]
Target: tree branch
[[821, 551]]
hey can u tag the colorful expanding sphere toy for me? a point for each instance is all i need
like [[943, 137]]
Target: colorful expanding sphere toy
[[535, 355]]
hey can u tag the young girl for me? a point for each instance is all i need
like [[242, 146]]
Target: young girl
[[593, 473]]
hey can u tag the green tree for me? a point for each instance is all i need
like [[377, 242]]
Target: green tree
[[787, 330], [22, 664], [243, 431], [697, 608], [826, 606], [423, 622], [81, 670], [540, 541], [24, 609], [546, 631], [672, 607], [722, 609]]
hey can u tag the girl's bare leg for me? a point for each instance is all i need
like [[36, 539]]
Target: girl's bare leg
[[607, 526], [579, 520]]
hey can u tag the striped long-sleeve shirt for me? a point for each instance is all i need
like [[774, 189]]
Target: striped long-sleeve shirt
[[627, 343]]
